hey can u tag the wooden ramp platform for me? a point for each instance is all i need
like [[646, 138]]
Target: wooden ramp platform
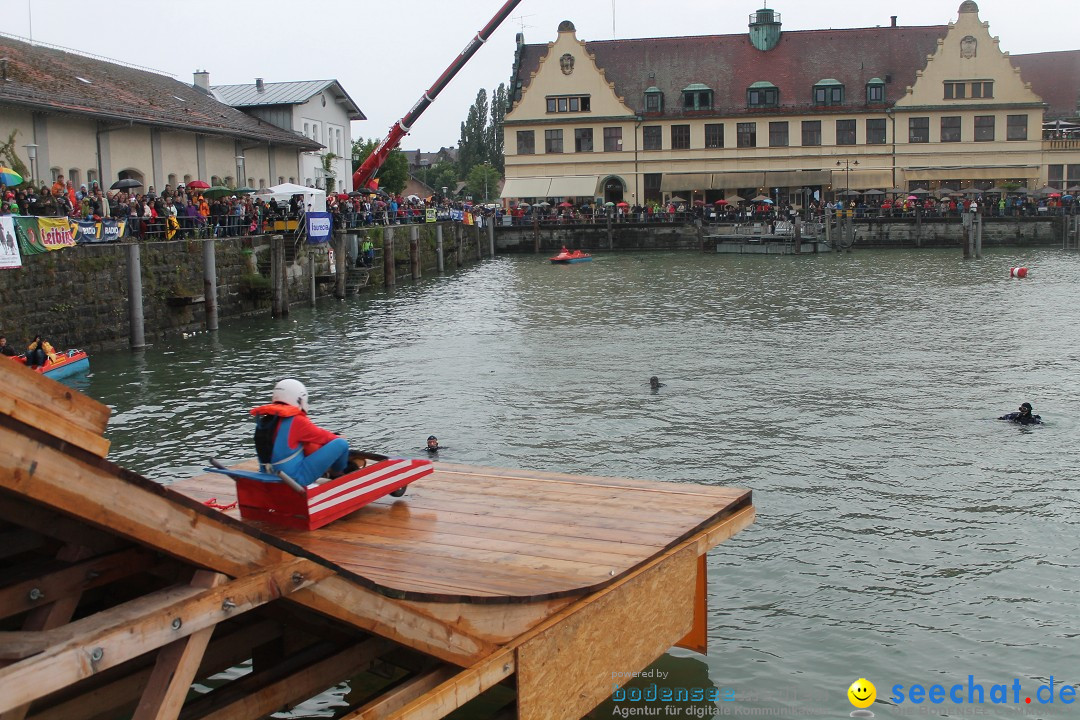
[[521, 590], [474, 534]]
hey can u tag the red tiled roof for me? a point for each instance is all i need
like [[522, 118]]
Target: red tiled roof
[[1055, 76], [46, 78], [729, 64]]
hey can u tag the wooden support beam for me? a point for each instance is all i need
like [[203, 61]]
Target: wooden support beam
[[366, 609], [176, 665], [698, 637], [53, 408], [155, 516], [119, 695], [297, 678], [400, 696], [88, 646], [37, 592], [51, 524], [458, 690]]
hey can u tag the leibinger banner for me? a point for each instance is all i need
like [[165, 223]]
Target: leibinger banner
[[9, 246], [55, 233], [318, 227]]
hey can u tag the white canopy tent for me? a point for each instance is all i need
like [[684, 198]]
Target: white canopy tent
[[314, 198]]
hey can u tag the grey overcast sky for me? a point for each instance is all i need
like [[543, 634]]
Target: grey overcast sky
[[387, 54]]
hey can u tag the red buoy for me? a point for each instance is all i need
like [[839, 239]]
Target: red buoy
[[1018, 272]]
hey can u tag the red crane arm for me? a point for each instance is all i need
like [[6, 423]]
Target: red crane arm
[[366, 172]]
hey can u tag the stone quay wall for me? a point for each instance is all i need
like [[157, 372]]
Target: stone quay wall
[[78, 296], [869, 233]]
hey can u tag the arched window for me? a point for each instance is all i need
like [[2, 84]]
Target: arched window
[[215, 180], [187, 179], [171, 181], [73, 178], [262, 183], [228, 181], [762, 94], [56, 172], [91, 177], [828, 92]]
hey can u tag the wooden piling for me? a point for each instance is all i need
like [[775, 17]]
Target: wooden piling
[[340, 265], [965, 220], [797, 232], [414, 251], [459, 239], [279, 293], [491, 236], [135, 302], [978, 236], [439, 247], [479, 247], [389, 275], [210, 284]]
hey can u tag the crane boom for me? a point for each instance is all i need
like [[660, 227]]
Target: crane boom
[[366, 172]]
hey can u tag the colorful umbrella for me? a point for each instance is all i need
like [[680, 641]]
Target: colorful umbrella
[[721, 201], [198, 185], [624, 205], [565, 204], [9, 177]]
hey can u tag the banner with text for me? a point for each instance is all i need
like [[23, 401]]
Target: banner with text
[[9, 246], [318, 227], [55, 233], [89, 231]]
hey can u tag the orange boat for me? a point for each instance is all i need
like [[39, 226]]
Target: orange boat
[[567, 258]]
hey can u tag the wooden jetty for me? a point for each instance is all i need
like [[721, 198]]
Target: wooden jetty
[[519, 592]]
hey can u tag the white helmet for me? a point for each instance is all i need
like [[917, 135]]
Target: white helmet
[[291, 392]]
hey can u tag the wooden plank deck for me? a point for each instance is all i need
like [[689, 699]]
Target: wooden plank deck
[[484, 535]]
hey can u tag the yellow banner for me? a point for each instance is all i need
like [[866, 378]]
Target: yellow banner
[[55, 233]]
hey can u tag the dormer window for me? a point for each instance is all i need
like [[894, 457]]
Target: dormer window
[[762, 95], [828, 92], [697, 97], [875, 90], [654, 100]]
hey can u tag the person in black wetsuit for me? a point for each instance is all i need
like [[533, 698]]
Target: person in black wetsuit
[[1023, 417], [433, 446]]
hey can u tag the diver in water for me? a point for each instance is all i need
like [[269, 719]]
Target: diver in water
[[433, 446], [655, 384], [1023, 417]]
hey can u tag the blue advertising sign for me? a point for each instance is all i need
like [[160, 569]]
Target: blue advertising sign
[[318, 227]]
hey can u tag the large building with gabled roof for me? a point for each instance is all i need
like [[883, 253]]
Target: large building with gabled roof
[[789, 114], [320, 110], [92, 119]]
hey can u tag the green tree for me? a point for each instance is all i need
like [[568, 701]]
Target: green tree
[[495, 131], [472, 147], [393, 175], [483, 183], [443, 175]]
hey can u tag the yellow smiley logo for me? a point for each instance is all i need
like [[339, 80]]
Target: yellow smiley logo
[[862, 693]]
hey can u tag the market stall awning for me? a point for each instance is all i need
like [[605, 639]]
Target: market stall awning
[[862, 179], [797, 178], [972, 173], [673, 182], [579, 186], [737, 180], [526, 187]]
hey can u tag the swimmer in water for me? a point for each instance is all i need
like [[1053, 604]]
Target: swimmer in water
[[433, 445], [1023, 417], [655, 384]]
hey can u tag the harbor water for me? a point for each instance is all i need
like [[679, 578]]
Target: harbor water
[[904, 535]]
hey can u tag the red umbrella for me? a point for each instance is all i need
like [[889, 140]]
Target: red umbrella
[[699, 202], [721, 201], [198, 185], [565, 204], [343, 196], [623, 204]]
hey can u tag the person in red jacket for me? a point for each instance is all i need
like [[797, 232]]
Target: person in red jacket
[[287, 441]]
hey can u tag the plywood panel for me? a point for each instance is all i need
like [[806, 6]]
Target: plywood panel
[[566, 670]]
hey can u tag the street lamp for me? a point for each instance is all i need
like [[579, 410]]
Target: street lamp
[[847, 172], [31, 154], [241, 181]]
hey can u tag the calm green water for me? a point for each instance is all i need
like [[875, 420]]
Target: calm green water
[[903, 534]]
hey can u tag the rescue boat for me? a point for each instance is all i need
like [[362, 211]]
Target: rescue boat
[[567, 258], [67, 362]]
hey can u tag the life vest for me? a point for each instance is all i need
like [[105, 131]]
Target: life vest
[[272, 425]]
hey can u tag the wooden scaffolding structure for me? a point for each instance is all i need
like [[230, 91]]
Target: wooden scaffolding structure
[[125, 597]]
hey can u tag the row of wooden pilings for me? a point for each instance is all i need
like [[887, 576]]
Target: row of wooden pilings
[[279, 300]]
